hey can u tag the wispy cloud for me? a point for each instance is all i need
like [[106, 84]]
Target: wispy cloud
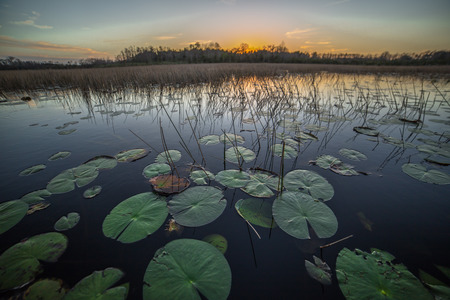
[[298, 33], [31, 21], [6, 41], [167, 37], [317, 43]]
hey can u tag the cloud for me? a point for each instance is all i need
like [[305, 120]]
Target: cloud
[[338, 2], [298, 33], [167, 37], [6, 41], [31, 21], [317, 43]]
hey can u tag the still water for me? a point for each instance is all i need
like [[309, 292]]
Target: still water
[[380, 207]]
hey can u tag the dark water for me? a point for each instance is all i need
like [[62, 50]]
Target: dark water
[[410, 218]]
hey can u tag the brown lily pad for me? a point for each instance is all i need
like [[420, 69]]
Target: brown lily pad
[[169, 184]]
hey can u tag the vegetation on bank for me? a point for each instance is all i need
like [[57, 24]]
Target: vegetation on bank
[[213, 53]]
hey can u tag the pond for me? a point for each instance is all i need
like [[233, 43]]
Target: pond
[[280, 170]]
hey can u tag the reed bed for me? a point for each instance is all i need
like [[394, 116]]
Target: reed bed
[[139, 77]]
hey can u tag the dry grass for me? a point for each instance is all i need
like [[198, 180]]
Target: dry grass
[[117, 78]]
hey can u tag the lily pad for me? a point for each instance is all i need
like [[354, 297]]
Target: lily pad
[[21, 263], [32, 170], [431, 149], [169, 184], [66, 132], [366, 131], [231, 138], [35, 197], [11, 212], [201, 177], [306, 136], [420, 172], [326, 161], [197, 206], [260, 185], [256, 211], [59, 155], [352, 154], [209, 140], [37, 207], [66, 180], [45, 289], [102, 162], [294, 210], [131, 155], [95, 286], [92, 192], [156, 169], [310, 183], [173, 156], [289, 152], [66, 223], [363, 275], [135, 218], [238, 154], [233, 178], [217, 241], [344, 169], [319, 270], [184, 268]]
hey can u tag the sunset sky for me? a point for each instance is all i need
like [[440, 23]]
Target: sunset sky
[[75, 29]]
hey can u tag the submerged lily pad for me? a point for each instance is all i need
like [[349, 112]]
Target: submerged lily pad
[[11, 212], [92, 192], [45, 289], [184, 268], [294, 210], [95, 286], [102, 162], [156, 169], [366, 131], [209, 140], [231, 138], [256, 211], [352, 154], [21, 263], [201, 176], [237, 154], [168, 156], [217, 241], [135, 218], [59, 155], [310, 183], [131, 155], [197, 206], [289, 152], [319, 270], [169, 184], [66, 223], [420, 172], [363, 275], [32, 170], [233, 178]]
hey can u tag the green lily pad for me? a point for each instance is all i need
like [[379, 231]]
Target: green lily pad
[[11, 212], [344, 169], [237, 154], [95, 286], [420, 172], [35, 197], [363, 275], [135, 218], [66, 132], [366, 131], [32, 170], [59, 155], [310, 183], [92, 192], [169, 184], [260, 185], [217, 241], [156, 169], [66, 223], [209, 140], [21, 263], [233, 178], [289, 152], [326, 161], [66, 180], [352, 154], [184, 268], [306, 136], [102, 162], [439, 160], [434, 150], [197, 206], [131, 155], [294, 210], [422, 131], [201, 177], [174, 156], [45, 289], [231, 138], [256, 211], [319, 270]]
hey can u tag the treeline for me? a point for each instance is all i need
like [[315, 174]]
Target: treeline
[[213, 53]]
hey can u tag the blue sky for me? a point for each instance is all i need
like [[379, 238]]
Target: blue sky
[[52, 29]]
